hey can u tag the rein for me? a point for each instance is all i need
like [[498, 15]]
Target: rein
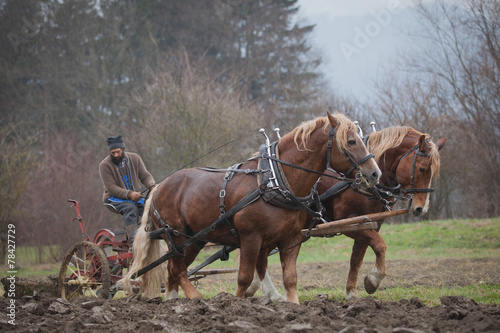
[[297, 203], [343, 178], [185, 165], [332, 133]]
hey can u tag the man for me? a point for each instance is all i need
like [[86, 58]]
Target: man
[[121, 174]]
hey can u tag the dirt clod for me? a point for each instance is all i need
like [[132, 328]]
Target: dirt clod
[[46, 312]]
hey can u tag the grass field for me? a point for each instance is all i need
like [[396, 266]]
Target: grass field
[[474, 238], [425, 241]]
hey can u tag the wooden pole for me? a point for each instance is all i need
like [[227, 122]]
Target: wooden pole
[[216, 271], [331, 227]]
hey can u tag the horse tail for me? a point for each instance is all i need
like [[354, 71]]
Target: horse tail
[[146, 250]]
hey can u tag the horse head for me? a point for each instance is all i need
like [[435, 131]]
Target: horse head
[[418, 170], [410, 160], [352, 158]]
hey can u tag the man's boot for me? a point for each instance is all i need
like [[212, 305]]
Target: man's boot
[[130, 230]]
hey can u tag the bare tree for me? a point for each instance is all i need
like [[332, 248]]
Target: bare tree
[[451, 89], [15, 164], [67, 169], [184, 112], [468, 37]]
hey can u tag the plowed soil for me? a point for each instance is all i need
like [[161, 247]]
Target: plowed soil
[[43, 311]]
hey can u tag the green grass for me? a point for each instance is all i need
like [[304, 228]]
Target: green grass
[[30, 255], [38, 270], [472, 238]]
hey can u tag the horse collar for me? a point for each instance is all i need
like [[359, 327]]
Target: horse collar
[[274, 186]]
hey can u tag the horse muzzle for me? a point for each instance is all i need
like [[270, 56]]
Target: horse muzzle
[[367, 180], [418, 211]]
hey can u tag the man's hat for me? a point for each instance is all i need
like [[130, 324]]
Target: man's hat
[[115, 142]]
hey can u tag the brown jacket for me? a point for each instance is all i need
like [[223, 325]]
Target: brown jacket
[[111, 179]]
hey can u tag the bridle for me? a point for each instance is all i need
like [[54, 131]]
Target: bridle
[[398, 192], [355, 164], [413, 190]]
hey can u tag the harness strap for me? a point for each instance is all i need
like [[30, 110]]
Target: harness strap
[[265, 155], [245, 171], [227, 177], [299, 204], [246, 201], [222, 195], [332, 134], [168, 231], [361, 161], [335, 189]]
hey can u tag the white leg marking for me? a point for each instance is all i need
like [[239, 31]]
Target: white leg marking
[[254, 286], [269, 290], [173, 294]]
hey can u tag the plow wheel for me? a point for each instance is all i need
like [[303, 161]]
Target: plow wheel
[[84, 272]]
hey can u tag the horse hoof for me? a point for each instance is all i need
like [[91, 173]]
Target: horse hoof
[[372, 282], [352, 295], [173, 294], [277, 297]]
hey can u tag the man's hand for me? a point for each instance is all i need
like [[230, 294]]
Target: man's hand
[[134, 196]]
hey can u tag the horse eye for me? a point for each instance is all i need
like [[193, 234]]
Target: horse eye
[[422, 170], [351, 142]]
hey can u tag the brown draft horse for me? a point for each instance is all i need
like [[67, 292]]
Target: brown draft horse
[[400, 165], [188, 201], [409, 161]]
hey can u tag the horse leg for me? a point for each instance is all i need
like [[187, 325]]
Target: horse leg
[[190, 255], [289, 267], [249, 253], [268, 289], [374, 278], [357, 255], [177, 275]]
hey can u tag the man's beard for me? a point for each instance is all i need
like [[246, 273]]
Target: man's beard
[[118, 160]]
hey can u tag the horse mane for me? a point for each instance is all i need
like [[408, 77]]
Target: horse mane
[[302, 133], [381, 141]]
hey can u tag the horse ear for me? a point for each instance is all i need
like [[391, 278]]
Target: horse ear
[[440, 143], [333, 121]]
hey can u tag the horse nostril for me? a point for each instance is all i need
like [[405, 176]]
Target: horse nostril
[[375, 176], [418, 211]]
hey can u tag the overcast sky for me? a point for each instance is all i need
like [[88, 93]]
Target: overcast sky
[[356, 38]]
